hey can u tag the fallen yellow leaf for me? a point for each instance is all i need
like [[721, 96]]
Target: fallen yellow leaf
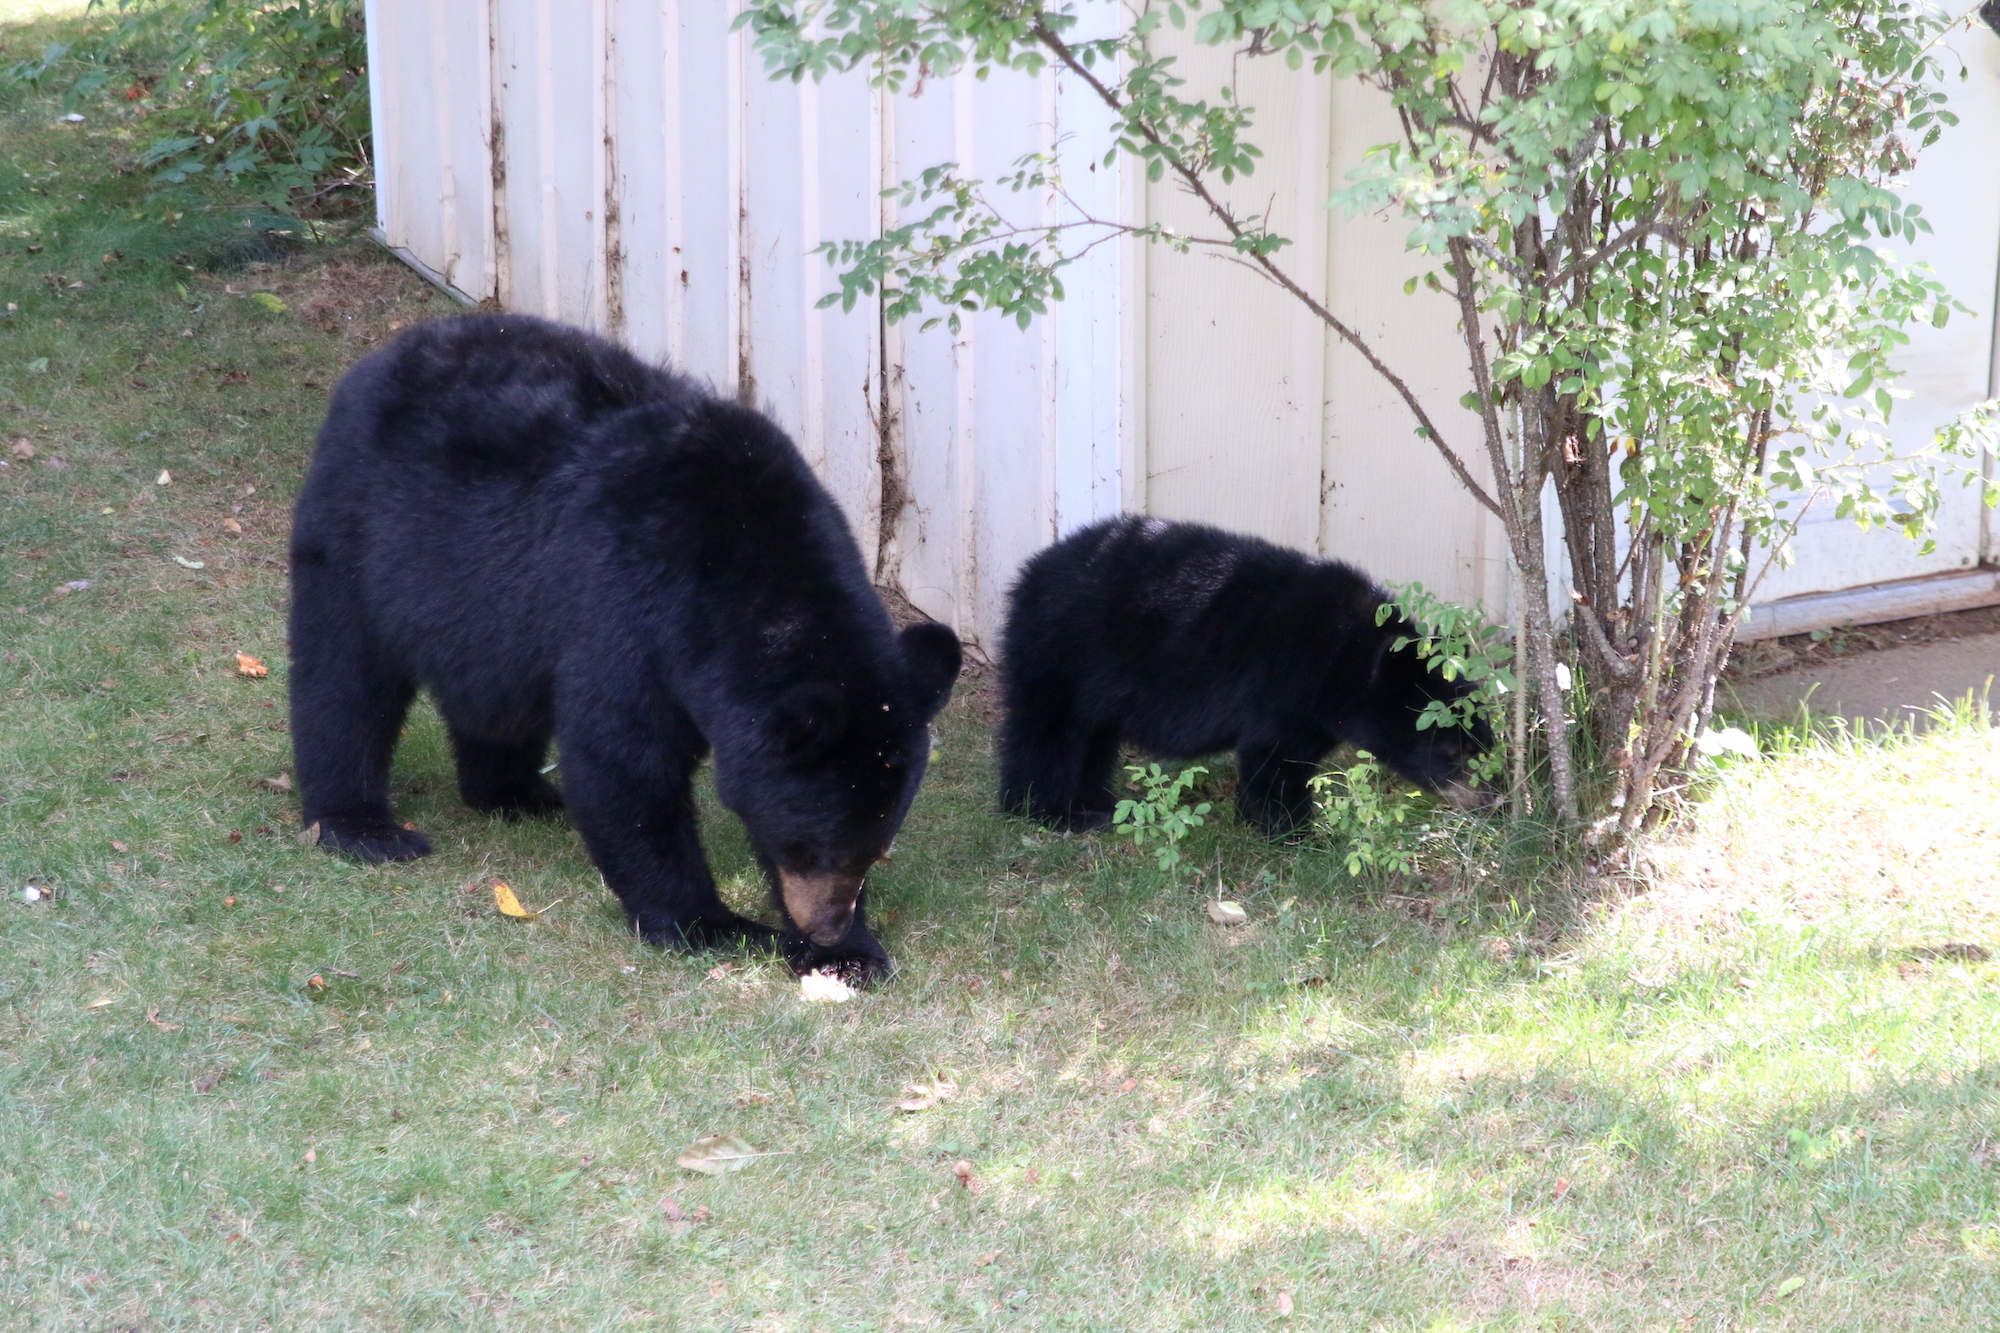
[[247, 665], [509, 905], [1227, 913]]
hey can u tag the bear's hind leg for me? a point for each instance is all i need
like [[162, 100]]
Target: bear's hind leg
[[1273, 789], [348, 703], [504, 777]]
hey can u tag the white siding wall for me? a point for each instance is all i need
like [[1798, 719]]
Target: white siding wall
[[626, 165]]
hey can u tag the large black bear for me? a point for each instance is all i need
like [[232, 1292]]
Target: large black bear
[[1184, 640], [560, 541]]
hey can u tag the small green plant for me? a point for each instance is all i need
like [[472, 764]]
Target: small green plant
[[1159, 817], [1369, 817]]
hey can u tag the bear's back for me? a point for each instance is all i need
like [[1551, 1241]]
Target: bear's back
[[488, 397]]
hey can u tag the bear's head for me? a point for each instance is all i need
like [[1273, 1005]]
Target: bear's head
[[1439, 759], [828, 773]]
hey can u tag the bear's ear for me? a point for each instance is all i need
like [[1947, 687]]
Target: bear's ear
[[931, 656], [809, 716]]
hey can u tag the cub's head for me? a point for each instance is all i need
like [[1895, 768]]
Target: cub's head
[[826, 774], [1438, 759]]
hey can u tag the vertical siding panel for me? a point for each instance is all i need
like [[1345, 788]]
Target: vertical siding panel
[[841, 134], [705, 134], [385, 114], [1236, 386], [1379, 476], [641, 163], [1009, 397], [922, 130], [1091, 343], [611, 260]]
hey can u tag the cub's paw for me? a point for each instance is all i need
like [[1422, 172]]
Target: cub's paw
[[370, 840], [541, 797], [1077, 821], [859, 960], [691, 934]]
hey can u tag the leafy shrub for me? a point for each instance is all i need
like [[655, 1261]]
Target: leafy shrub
[[270, 97], [1158, 815], [1369, 817]]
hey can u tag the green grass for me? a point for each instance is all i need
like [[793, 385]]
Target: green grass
[[1738, 1095]]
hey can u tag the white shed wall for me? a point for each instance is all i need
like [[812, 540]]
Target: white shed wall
[[626, 165]]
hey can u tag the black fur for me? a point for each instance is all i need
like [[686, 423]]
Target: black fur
[[561, 542], [1185, 640]]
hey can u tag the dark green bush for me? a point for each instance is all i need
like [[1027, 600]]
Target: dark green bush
[[271, 97]]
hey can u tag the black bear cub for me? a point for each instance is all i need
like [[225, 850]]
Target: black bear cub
[[561, 542], [1185, 640]]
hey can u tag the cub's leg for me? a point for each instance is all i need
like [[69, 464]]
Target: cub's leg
[[628, 783], [503, 777], [1055, 767], [348, 700], [1273, 788]]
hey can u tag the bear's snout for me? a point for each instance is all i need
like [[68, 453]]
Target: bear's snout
[[821, 904], [1465, 796]]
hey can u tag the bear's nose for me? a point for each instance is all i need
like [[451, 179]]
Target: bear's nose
[[820, 903]]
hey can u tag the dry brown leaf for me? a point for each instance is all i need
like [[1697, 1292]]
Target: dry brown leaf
[[1562, 1186], [509, 905], [310, 837], [247, 665], [283, 782], [923, 1096], [23, 449], [117, 846], [232, 527], [102, 1001], [1284, 1302], [719, 1154], [207, 1082], [962, 1170], [986, 1260], [153, 1017]]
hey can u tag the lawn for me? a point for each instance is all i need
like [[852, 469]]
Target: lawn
[[244, 1084]]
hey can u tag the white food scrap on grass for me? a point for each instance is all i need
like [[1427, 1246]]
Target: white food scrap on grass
[[824, 988]]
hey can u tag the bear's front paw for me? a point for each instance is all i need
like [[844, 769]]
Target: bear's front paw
[[859, 960], [726, 931]]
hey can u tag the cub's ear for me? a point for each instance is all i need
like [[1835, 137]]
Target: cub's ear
[[809, 716], [931, 656]]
